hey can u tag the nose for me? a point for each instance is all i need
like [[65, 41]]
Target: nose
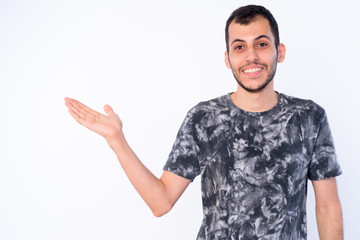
[[252, 55]]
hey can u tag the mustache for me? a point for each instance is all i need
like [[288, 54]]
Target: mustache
[[253, 63]]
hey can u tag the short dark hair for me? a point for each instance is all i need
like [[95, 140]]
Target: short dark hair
[[247, 14]]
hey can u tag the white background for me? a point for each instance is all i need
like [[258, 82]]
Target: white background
[[152, 61]]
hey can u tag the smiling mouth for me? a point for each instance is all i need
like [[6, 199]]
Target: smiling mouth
[[252, 70]]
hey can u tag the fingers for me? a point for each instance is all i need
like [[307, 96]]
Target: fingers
[[81, 112], [79, 108], [77, 117], [108, 110], [105, 125], [74, 111]]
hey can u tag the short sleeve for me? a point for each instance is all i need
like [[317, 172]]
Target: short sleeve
[[183, 158], [324, 162]]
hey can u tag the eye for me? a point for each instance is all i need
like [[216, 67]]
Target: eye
[[239, 47], [262, 44]]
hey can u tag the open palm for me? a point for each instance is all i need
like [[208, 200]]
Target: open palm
[[108, 126]]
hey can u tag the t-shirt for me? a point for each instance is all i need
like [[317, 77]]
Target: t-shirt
[[254, 166]]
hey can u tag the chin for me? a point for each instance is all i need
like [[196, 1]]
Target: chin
[[254, 89]]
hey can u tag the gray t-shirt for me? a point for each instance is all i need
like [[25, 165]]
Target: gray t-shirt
[[254, 166]]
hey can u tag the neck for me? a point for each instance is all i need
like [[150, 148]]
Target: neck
[[255, 102]]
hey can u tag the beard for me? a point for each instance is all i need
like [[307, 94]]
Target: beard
[[259, 88]]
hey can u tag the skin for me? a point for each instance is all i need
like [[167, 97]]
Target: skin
[[159, 194], [328, 210], [251, 47]]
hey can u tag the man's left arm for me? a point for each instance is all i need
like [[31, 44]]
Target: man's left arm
[[328, 210]]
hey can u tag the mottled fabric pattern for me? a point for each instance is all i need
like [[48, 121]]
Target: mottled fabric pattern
[[254, 166]]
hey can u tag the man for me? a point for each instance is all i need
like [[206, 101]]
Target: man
[[255, 148]]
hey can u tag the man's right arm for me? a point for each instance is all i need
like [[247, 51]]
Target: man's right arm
[[159, 194]]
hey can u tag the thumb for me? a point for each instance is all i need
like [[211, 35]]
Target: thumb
[[108, 110]]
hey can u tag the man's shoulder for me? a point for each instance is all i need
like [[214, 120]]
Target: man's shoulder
[[303, 105], [213, 105], [206, 111]]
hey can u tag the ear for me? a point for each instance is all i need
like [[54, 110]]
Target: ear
[[281, 52], [227, 62]]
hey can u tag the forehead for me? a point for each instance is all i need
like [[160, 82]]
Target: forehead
[[259, 26]]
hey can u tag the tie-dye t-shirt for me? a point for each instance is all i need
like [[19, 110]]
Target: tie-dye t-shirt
[[254, 166]]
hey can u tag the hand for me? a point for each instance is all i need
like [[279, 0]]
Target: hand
[[109, 126]]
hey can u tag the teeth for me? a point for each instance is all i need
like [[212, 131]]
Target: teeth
[[252, 70]]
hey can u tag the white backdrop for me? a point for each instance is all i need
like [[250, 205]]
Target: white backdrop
[[152, 61]]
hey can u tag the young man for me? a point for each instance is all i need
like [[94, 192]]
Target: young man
[[255, 148]]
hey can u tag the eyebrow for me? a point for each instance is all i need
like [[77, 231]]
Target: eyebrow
[[257, 38]]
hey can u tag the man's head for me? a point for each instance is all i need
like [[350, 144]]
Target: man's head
[[253, 50], [247, 14]]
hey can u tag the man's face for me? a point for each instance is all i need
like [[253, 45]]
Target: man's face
[[252, 55]]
